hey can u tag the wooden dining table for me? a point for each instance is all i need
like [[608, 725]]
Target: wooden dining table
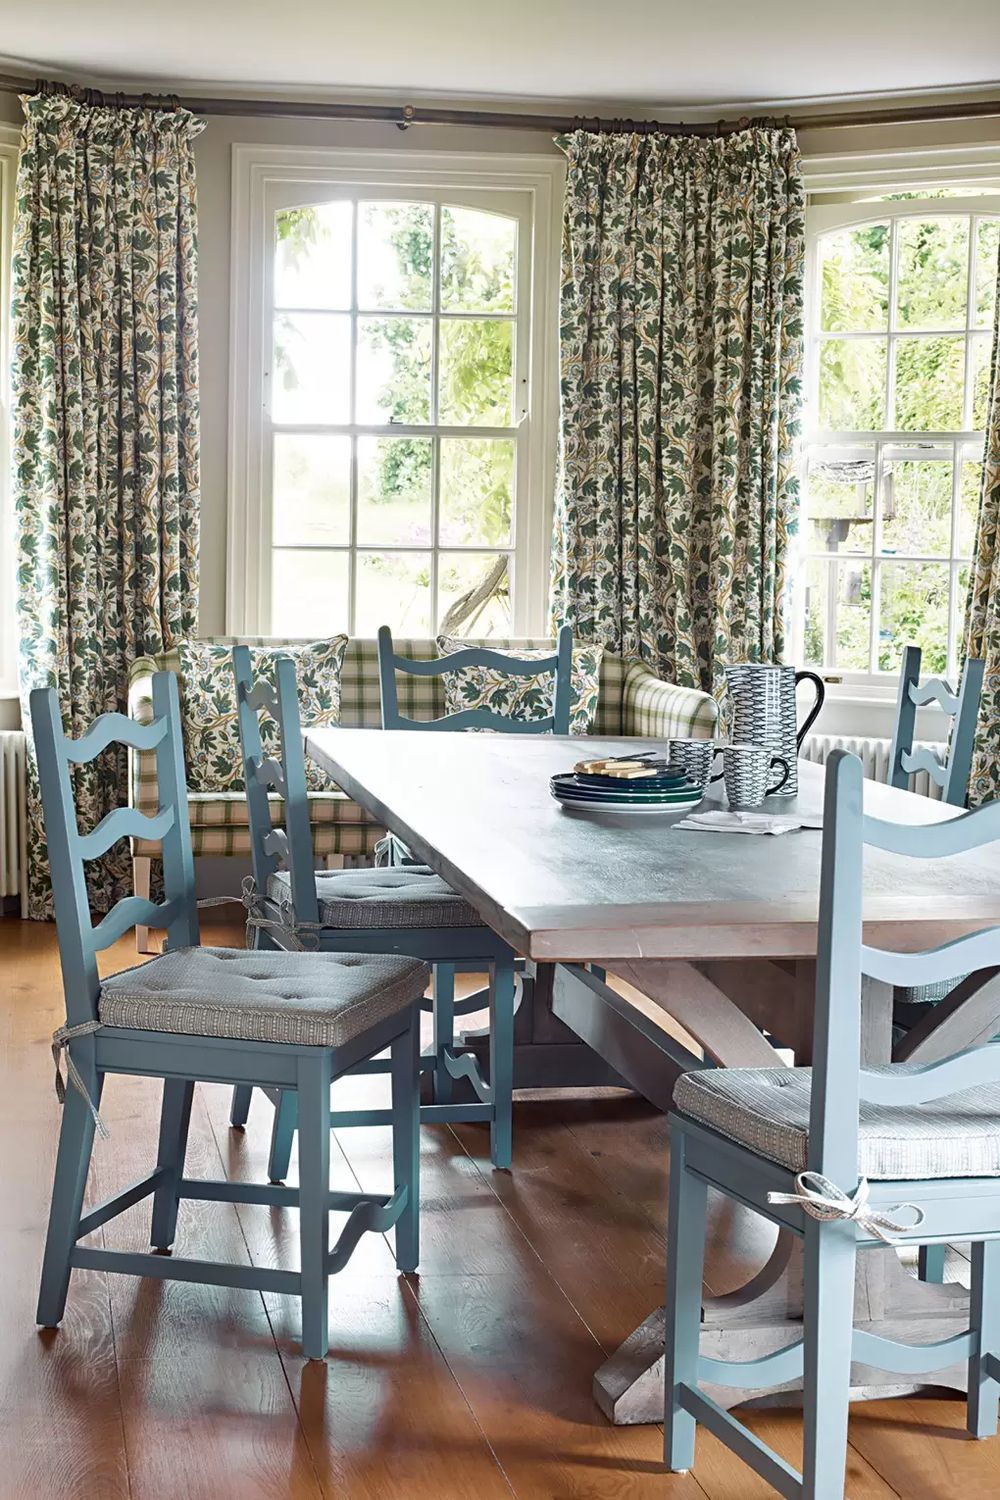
[[717, 933]]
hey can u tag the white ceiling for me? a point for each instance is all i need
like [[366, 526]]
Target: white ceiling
[[628, 51]]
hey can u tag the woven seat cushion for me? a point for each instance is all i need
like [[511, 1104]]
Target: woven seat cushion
[[410, 897], [767, 1110], [303, 999], [927, 994]]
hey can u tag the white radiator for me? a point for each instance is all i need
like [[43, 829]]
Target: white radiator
[[13, 818], [874, 755]]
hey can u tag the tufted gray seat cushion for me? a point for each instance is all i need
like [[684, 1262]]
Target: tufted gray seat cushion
[[767, 1109], [406, 897], [304, 999]]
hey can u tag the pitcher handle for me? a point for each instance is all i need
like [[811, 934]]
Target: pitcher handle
[[818, 704]]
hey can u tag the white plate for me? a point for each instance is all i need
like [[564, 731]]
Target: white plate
[[630, 809]]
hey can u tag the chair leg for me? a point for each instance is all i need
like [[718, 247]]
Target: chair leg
[[502, 1060], [686, 1230], [76, 1140], [931, 1262], [828, 1330], [239, 1110], [283, 1134], [984, 1390], [175, 1118], [259, 941], [444, 1028], [141, 882], [406, 1141], [314, 1200]]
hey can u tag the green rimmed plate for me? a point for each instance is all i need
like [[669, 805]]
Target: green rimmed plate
[[676, 800], [680, 794]]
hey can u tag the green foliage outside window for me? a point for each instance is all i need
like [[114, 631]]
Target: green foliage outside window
[[474, 388], [933, 301]]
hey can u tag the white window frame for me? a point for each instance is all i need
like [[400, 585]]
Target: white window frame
[[838, 188], [9, 153], [266, 179]]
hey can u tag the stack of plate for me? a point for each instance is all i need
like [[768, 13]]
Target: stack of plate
[[649, 788]]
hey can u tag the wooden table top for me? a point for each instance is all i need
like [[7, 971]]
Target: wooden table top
[[562, 886]]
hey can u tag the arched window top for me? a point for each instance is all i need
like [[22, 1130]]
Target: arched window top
[[394, 255]]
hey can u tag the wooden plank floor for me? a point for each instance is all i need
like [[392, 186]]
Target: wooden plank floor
[[470, 1380]]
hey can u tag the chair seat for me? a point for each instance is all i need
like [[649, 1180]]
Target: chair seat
[[301, 999], [394, 897], [767, 1110], [926, 994]]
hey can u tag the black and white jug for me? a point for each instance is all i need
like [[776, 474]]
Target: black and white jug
[[763, 711]]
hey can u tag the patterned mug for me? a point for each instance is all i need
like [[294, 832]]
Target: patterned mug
[[746, 770], [695, 758]]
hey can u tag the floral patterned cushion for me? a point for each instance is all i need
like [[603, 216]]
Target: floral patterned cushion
[[523, 697], [208, 698]]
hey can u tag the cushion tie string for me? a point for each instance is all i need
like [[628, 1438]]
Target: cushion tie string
[[60, 1044], [289, 932], [822, 1199]]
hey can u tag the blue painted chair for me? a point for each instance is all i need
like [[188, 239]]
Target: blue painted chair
[[411, 911], [918, 1168], [289, 1020], [951, 773], [558, 666]]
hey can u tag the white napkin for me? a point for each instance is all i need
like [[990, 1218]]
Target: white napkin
[[748, 822]]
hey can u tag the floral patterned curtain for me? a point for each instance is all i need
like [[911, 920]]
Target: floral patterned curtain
[[982, 635], [105, 398], [681, 378]]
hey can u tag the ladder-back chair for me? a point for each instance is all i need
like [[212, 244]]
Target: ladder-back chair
[[558, 666], [919, 1164], [951, 771], [407, 910], [290, 1021]]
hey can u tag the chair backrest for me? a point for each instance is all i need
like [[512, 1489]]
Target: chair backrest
[[952, 773], [843, 959], [558, 666], [271, 845], [79, 939]]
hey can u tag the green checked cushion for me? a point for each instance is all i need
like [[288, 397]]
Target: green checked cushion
[[208, 707], [524, 697]]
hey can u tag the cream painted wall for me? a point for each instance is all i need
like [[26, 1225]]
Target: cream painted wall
[[878, 138]]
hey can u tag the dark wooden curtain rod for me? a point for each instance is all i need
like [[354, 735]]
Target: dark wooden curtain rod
[[405, 115]]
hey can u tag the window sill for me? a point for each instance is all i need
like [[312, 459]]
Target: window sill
[[856, 692], [868, 711]]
